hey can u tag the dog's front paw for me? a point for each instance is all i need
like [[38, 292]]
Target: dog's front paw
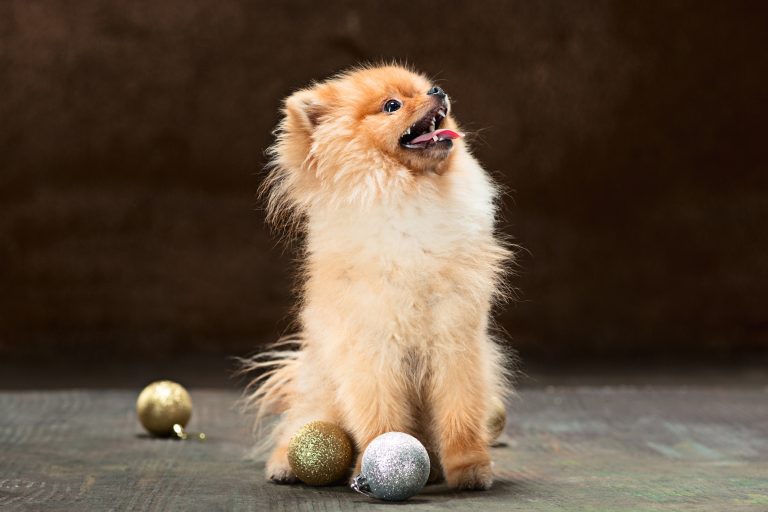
[[472, 476], [281, 474], [278, 470]]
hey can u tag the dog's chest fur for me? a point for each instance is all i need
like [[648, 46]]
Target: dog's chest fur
[[403, 275]]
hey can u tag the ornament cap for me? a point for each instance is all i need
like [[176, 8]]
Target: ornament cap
[[360, 484]]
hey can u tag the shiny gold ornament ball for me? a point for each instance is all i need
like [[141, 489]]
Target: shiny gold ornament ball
[[320, 453], [163, 404], [498, 418]]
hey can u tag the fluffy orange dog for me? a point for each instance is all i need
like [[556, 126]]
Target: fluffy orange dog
[[401, 266]]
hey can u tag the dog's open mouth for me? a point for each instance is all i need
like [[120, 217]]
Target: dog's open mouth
[[426, 132]]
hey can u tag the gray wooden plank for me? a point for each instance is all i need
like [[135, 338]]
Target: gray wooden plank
[[566, 448]]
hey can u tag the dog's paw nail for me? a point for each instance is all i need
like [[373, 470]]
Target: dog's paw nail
[[282, 476], [283, 479]]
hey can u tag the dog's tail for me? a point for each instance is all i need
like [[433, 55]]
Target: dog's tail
[[273, 387]]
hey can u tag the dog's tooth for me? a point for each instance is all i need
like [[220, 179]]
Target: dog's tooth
[[408, 131], [441, 113], [434, 138]]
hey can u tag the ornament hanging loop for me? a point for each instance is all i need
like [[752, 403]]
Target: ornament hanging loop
[[360, 484]]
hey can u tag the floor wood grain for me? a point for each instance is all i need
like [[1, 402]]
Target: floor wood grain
[[566, 448]]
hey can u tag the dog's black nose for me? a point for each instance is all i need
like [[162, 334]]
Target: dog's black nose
[[436, 91]]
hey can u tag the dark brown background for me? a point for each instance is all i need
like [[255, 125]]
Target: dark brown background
[[631, 136]]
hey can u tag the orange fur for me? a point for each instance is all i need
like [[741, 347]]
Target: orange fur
[[401, 267]]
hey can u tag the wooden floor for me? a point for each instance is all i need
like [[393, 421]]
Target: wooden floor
[[568, 449]]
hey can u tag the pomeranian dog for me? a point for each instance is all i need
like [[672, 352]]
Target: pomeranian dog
[[401, 266]]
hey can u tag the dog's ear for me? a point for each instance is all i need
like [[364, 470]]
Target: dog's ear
[[304, 109]]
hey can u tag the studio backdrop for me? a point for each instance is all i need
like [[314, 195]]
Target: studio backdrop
[[629, 137]]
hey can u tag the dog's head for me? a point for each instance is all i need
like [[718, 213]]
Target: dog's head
[[369, 128]]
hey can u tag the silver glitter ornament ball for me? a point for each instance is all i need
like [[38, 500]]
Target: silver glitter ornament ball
[[395, 467]]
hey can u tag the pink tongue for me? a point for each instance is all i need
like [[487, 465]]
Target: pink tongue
[[443, 133]]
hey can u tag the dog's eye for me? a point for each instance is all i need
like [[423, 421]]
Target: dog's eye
[[391, 105]]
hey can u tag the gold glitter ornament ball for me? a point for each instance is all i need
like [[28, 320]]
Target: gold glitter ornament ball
[[498, 419], [163, 404], [320, 453]]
